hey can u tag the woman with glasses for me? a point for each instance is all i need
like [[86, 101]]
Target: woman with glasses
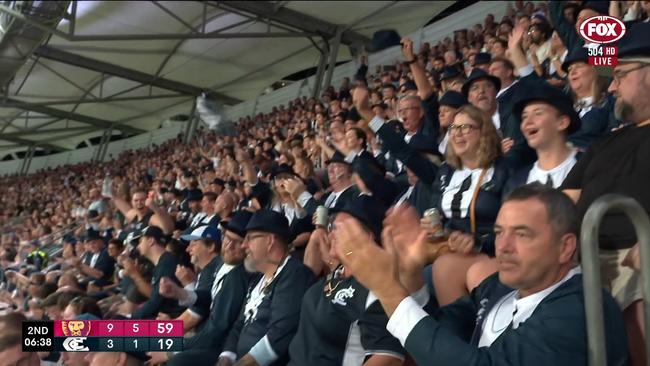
[[470, 183], [341, 322]]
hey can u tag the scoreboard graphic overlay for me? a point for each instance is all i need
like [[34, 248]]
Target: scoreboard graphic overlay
[[103, 336]]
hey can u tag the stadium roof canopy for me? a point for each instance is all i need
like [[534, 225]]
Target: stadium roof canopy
[[70, 70]]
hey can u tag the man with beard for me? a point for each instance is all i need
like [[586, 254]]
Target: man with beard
[[271, 312], [619, 164]]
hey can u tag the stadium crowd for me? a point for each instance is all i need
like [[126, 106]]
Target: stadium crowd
[[425, 212]]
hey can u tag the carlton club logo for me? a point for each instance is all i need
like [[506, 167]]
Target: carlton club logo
[[75, 328], [598, 31]]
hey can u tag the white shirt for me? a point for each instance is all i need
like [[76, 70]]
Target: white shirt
[[588, 104], [405, 196], [496, 119], [218, 279], [557, 174], [93, 259], [455, 184], [442, 147], [515, 310]]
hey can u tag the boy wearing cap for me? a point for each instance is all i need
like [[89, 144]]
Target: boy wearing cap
[[271, 311], [152, 246]]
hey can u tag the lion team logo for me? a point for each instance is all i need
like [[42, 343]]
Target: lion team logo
[[75, 328]]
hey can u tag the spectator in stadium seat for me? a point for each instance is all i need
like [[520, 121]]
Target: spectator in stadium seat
[[204, 248], [616, 164], [482, 61], [330, 319], [592, 102], [271, 312], [207, 216], [481, 91], [449, 104], [95, 265], [470, 184], [142, 212], [451, 78], [339, 173], [499, 48], [519, 316], [228, 294], [152, 246], [547, 119]]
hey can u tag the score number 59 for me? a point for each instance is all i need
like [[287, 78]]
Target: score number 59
[[164, 328]]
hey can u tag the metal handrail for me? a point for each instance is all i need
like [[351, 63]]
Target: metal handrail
[[589, 247]]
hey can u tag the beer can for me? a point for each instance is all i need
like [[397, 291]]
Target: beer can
[[321, 216], [435, 218]]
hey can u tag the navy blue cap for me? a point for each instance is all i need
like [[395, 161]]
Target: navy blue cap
[[478, 74], [336, 158], [453, 99], [369, 211], [449, 72], [194, 195], [237, 222], [271, 222], [577, 54], [551, 95], [156, 233], [635, 42], [482, 58], [219, 182], [383, 39]]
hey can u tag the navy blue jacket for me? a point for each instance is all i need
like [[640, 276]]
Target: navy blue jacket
[[278, 314], [520, 154], [488, 203], [226, 308], [596, 123], [555, 334]]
